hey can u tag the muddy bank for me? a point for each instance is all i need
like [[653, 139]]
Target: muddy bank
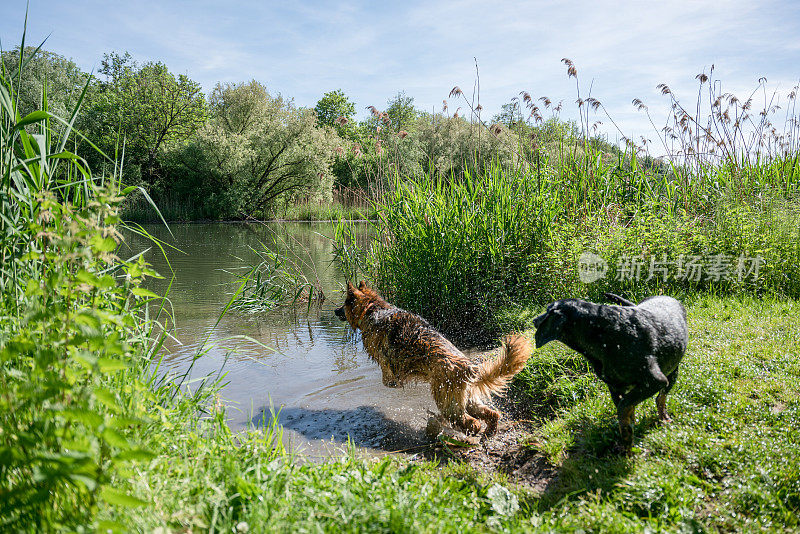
[[397, 422], [304, 366]]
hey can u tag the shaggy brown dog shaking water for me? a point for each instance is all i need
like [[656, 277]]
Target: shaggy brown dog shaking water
[[408, 348]]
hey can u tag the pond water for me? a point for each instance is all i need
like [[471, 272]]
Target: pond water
[[315, 373]]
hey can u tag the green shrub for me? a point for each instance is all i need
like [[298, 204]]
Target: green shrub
[[451, 250], [71, 348], [469, 254], [70, 368]]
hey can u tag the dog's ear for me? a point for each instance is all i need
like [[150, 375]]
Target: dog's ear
[[350, 288], [362, 286], [539, 319], [549, 326]]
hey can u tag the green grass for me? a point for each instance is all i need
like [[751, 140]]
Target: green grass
[[725, 463], [206, 479]]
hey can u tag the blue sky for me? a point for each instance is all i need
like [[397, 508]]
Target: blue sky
[[372, 50]]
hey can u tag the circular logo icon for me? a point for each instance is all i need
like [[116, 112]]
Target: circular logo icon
[[591, 267]]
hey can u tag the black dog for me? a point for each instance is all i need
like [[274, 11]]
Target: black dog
[[634, 349]]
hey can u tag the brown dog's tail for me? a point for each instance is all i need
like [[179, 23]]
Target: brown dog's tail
[[494, 375]]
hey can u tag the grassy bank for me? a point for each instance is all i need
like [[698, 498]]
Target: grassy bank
[[720, 465], [723, 464], [333, 211], [117, 449]]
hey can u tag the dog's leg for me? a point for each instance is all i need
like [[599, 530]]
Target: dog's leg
[[466, 423], [616, 395], [450, 399], [661, 400], [626, 407], [388, 378], [481, 411]]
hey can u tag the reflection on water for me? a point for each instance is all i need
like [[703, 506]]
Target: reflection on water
[[314, 368]]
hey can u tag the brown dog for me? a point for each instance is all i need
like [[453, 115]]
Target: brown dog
[[408, 348]]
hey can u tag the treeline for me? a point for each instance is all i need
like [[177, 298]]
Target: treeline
[[242, 151]]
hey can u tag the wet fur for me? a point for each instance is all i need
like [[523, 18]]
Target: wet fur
[[408, 348], [634, 349]]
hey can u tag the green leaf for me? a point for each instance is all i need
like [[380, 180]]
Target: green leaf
[[136, 455], [111, 526], [32, 287], [106, 282], [30, 118], [109, 364], [101, 244], [120, 498], [86, 417], [86, 277], [115, 438], [88, 319], [107, 398], [89, 482], [121, 421], [450, 440], [86, 358], [141, 292]]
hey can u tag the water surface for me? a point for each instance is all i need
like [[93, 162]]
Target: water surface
[[314, 371]]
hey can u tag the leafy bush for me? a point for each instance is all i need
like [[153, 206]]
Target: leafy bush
[[256, 152], [67, 344], [468, 254], [71, 350]]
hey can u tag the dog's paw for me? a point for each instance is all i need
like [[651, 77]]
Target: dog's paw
[[492, 429], [437, 429]]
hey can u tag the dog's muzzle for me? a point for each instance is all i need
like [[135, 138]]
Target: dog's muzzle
[[340, 314]]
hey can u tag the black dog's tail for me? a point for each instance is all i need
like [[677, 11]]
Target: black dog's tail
[[618, 299]]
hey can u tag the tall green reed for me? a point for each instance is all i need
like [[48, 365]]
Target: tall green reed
[[462, 249], [79, 341]]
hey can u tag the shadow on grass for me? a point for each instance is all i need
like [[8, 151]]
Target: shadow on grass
[[364, 426], [594, 462]]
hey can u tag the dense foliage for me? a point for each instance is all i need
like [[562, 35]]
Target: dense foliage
[[257, 152], [242, 152], [143, 109], [72, 354], [720, 215]]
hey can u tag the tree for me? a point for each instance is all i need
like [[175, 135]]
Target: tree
[[401, 112], [257, 151], [510, 114], [334, 109], [60, 77], [453, 146], [146, 106]]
